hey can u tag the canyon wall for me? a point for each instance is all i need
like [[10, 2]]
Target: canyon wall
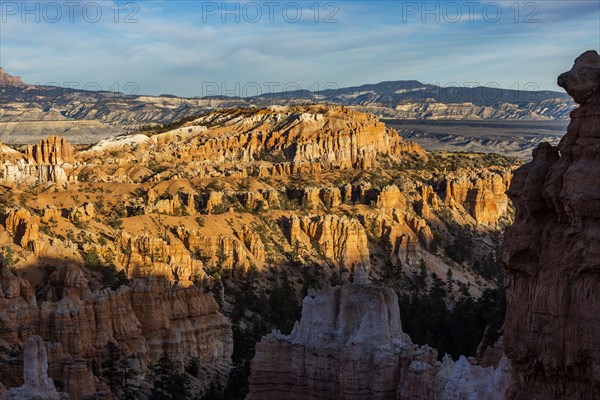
[[551, 256], [146, 319], [339, 239], [36, 383], [275, 141], [481, 193]]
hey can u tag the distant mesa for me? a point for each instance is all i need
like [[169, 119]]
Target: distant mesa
[[8, 80]]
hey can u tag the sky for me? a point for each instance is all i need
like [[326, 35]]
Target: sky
[[201, 48]]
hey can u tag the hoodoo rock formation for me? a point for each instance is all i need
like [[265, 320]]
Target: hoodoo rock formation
[[551, 256], [339, 239], [275, 141], [255, 205], [481, 194], [349, 345], [52, 151], [51, 160], [147, 319], [37, 384]]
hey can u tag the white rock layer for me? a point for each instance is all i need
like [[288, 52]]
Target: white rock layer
[[349, 345]]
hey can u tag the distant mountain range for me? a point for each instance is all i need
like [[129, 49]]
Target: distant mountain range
[[31, 111]]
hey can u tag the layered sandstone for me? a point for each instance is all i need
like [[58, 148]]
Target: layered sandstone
[[260, 200], [341, 240], [551, 258], [237, 251], [10, 80], [50, 160], [349, 344], [37, 384], [269, 142], [146, 319], [51, 151], [23, 228], [150, 255], [481, 193]]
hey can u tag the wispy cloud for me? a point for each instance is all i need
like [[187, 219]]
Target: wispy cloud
[[178, 46]]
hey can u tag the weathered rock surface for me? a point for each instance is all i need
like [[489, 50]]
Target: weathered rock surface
[[349, 344], [51, 151], [340, 239], [482, 194], [229, 251], [274, 141], [10, 80], [50, 160], [551, 256], [277, 188], [23, 227], [146, 319], [435, 110], [465, 381], [37, 384]]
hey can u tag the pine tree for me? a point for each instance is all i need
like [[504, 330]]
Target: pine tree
[[111, 368], [169, 384]]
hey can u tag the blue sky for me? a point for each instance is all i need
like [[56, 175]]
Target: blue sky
[[194, 48]]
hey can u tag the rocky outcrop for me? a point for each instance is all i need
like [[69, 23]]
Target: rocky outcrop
[[51, 151], [178, 199], [404, 236], [551, 256], [332, 136], [481, 193], [148, 255], [37, 384], [349, 344], [7, 80], [466, 381], [430, 109], [341, 240], [429, 201], [269, 142], [85, 212], [226, 251], [51, 160], [314, 197], [260, 200], [253, 243], [391, 197], [23, 227], [146, 319], [19, 308], [214, 200]]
